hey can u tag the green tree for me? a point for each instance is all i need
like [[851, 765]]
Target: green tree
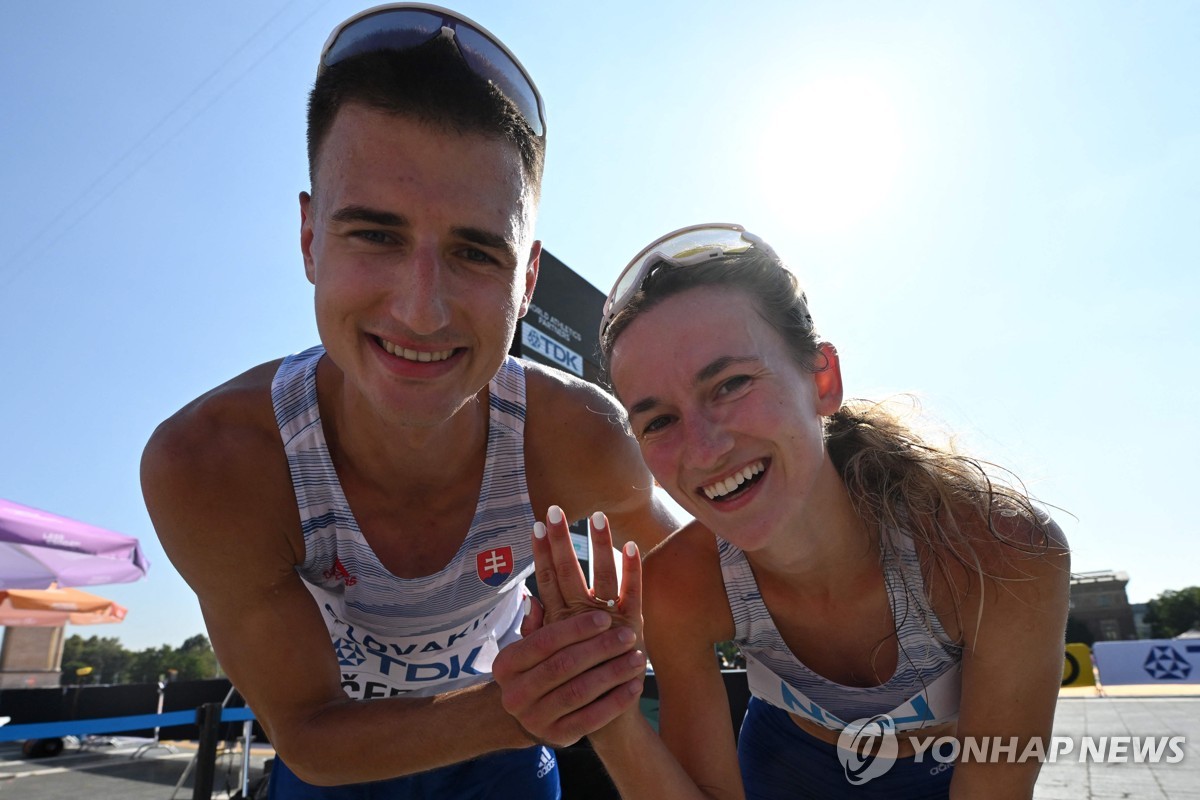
[[196, 659], [1173, 612], [110, 662], [108, 659]]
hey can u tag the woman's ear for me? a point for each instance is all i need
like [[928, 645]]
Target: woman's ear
[[828, 380]]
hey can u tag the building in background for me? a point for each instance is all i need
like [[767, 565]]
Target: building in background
[[31, 657], [1098, 601]]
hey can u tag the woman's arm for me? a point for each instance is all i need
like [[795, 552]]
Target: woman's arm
[[680, 609], [1012, 627]]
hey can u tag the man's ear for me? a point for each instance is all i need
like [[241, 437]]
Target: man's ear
[[307, 209], [531, 273], [828, 380]]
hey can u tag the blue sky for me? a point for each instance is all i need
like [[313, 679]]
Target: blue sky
[[993, 205]]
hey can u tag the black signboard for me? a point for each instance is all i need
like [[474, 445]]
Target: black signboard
[[561, 328]]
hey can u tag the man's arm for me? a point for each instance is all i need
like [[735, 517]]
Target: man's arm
[[581, 457], [218, 490]]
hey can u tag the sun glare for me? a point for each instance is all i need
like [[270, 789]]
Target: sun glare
[[830, 152]]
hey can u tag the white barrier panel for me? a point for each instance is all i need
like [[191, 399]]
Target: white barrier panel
[[1156, 661]]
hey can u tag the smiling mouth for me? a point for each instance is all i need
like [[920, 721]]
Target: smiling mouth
[[734, 485], [421, 356]]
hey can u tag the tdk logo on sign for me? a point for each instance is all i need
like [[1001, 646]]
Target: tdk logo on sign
[[551, 348]]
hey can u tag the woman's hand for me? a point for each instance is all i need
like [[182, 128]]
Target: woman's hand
[[579, 665], [562, 588]]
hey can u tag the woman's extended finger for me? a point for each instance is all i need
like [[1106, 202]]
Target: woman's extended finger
[[631, 581], [571, 583], [545, 573], [604, 568]]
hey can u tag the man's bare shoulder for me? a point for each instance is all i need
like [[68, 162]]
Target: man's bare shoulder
[[578, 452], [234, 419], [562, 403], [217, 467]]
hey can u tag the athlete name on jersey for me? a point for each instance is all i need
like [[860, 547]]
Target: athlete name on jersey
[[494, 565]]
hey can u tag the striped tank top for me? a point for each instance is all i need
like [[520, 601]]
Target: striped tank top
[[923, 691], [414, 636]]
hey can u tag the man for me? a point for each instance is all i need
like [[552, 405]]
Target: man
[[390, 475]]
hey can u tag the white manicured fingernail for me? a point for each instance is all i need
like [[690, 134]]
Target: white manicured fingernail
[[598, 521], [539, 530], [526, 606], [554, 515], [630, 549]]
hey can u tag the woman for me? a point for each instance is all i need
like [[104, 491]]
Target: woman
[[875, 584]]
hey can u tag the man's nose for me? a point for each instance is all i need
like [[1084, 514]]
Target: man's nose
[[419, 295]]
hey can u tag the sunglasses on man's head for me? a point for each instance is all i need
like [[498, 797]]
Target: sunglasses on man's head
[[403, 26]]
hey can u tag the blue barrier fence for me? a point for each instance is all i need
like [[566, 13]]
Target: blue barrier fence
[[84, 727]]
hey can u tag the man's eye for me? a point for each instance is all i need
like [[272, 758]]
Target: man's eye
[[375, 237], [477, 255]]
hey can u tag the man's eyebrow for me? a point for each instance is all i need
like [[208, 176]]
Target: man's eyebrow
[[707, 372], [371, 215], [488, 239]]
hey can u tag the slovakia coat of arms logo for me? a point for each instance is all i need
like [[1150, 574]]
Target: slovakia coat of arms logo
[[494, 565]]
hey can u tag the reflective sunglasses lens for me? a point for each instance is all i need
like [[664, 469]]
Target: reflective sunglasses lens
[[683, 249], [491, 62], [693, 247], [390, 30]]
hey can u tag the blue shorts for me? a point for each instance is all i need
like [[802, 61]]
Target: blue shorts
[[529, 774], [780, 760]]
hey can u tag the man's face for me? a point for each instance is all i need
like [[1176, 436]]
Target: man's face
[[420, 244]]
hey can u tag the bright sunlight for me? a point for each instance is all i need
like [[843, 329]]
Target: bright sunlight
[[830, 152]]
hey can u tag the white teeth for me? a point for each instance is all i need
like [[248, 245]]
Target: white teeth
[[423, 356], [727, 485]]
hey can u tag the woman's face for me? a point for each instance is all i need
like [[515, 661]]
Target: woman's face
[[729, 423]]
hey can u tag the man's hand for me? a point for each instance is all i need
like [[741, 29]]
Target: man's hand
[[579, 666]]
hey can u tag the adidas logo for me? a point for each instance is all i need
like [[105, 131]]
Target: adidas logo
[[546, 763], [339, 572]]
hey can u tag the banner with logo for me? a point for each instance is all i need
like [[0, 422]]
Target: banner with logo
[[1077, 666], [1148, 661]]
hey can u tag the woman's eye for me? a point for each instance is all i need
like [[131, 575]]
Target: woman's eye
[[733, 384], [656, 424]]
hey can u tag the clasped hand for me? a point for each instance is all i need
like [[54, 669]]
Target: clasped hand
[[580, 664]]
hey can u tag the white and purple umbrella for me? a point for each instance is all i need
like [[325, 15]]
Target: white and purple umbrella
[[38, 549]]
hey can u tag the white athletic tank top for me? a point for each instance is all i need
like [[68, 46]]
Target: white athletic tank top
[[924, 690], [415, 636]]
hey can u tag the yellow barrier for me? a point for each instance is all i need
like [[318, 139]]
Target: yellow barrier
[[1077, 666]]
